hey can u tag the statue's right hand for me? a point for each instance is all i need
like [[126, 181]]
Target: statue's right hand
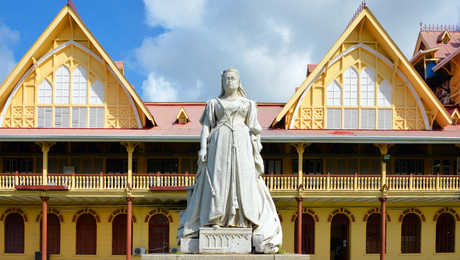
[[202, 155]]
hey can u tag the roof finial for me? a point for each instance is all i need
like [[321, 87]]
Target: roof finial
[[361, 7]]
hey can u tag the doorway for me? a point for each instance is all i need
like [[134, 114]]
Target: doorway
[[340, 237]]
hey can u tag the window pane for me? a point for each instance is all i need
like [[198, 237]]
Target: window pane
[[350, 119], [163, 165], [384, 94], [61, 117], [97, 94], [79, 86], [350, 87], [62, 86], [44, 115], [96, 117], [79, 117], [334, 118], [334, 94], [368, 118], [272, 166], [45, 93], [367, 97], [408, 166], [385, 119]]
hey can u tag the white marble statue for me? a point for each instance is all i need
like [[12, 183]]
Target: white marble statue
[[229, 189]]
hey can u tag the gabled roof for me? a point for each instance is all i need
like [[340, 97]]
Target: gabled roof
[[26, 62], [423, 90]]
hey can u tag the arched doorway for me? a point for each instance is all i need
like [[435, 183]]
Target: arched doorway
[[86, 235], [308, 234], [158, 234], [119, 234], [340, 237], [53, 234], [14, 233]]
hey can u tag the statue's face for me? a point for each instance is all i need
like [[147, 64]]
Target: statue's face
[[231, 81]]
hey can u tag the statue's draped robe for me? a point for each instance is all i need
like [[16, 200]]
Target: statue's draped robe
[[229, 190]]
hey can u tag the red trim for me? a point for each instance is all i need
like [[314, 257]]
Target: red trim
[[170, 188], [41, 187]]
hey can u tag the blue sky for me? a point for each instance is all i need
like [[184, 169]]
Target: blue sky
[[175, 50]]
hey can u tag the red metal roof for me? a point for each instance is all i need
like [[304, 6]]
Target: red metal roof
[[431, 40]]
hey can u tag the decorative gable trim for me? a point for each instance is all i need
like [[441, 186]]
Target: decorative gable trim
[[182, 117]]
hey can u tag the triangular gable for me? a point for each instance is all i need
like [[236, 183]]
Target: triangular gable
[[455, 115], [442, 116], [38, 50], [182, 117]]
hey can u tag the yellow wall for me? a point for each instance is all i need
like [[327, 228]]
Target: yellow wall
[[22, 111], [322, 233], [312, 111]]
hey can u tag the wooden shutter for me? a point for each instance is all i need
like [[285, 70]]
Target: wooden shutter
[[373, 234], [14, 234], [158, 234], [119, 234], [61, 117], [410, 234], [79, 117], [96, 117], [445, 233], [308, 234], [86, 235], [53, 234]]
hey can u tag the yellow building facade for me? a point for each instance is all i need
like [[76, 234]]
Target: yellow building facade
[[362, 135]]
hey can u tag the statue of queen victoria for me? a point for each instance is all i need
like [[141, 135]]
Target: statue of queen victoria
[[229, 189]]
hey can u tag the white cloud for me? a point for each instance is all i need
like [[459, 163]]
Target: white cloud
[[8, 38], [270, 42], [158, 89], [174, 13]]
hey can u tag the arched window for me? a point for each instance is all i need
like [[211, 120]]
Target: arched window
[[53, 234], [308, 234], [119, 234], [445, 233], [62, 86], [97, 94], [373, 234], [334, 94], [350, 87], [158, 234], [384, 94], [86, 235], [14, 233], [410, 233], [367, 87], [45, 93], [79, 86]]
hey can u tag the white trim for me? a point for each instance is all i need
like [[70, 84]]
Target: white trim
[[384, 59], [45, 57]]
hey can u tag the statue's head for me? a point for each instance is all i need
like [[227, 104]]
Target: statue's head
[[231, 82]]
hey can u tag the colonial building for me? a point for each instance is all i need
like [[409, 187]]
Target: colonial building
[[364, 152]]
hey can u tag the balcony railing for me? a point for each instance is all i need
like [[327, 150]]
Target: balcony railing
[[274, 182]]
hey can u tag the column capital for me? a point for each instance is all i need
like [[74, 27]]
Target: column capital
[[299, 199], [383, 148], [44, 198], [383, 199], [300, 147], [130, 146], [45, 145], [129, 199]]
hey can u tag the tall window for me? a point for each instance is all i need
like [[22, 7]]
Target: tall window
[[308, 234], [410, 233], [273, 166], [79, 86], [158, 234], [86, 235], [163, 166], [445, 233], [409, 166], [309, 166], [373, 234], [119, 234], [53, 234], [14, 234], [62, 85], [361, 111], [66, 111]]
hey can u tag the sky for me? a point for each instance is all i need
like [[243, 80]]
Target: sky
[[175, 50]]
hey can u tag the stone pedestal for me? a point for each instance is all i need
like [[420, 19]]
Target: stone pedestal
[[189, 245], [225, 240]]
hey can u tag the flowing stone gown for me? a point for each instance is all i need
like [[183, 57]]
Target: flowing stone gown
[[229, 191]]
